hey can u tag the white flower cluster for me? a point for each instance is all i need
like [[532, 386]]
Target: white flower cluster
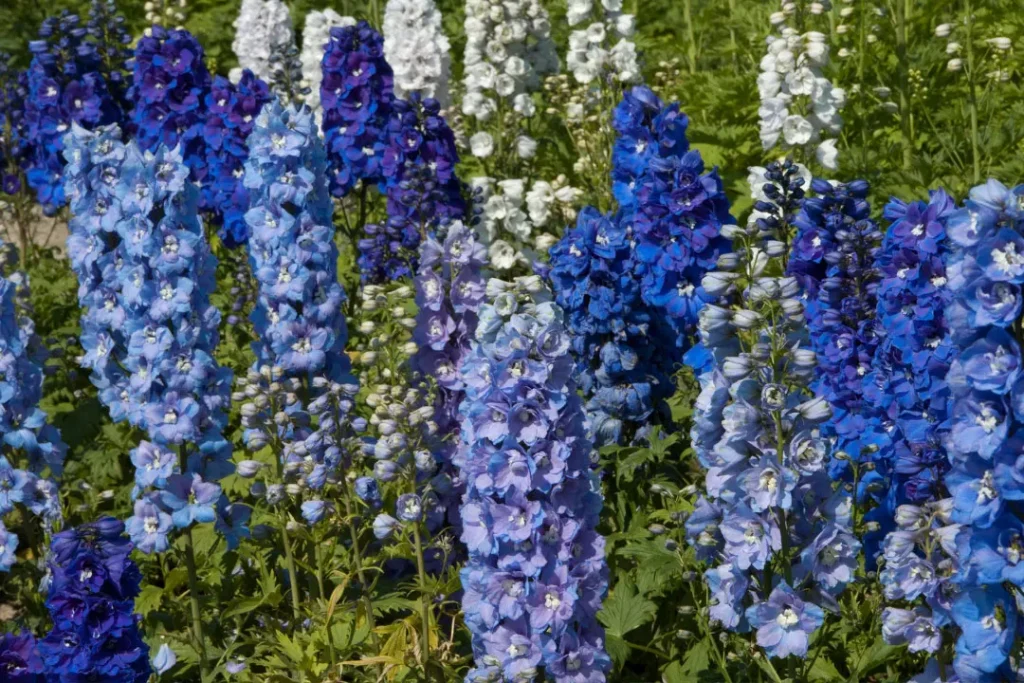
[[315, 36], [262, 28], [165, 12], [508, 52], [417, 49], [799, 105], [591, 51], [516, 222]]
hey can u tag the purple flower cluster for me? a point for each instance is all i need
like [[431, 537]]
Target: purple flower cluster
[[298, 318], [14, 144], [357, 95], [231, 111], [19, 658], [536, 573], [145, 273], [675, 209], [422, 188], [93, 586], [170, 84], [66, 85]]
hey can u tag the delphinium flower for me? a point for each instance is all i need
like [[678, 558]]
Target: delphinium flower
[[316, 34], [770, 522], [517, 221], [231, 111], [31, 449], [536, 574], [107, 29], [286, 75], [449, 291], [357, 94], [14, 143], [983, 441], [508, 52], [93, 587], [678, 211], [417, 49], [907, 380], [594, 54], [300, 385], [169, 87], [834, 257], [19, 657], [778, 191], [65, 86], [799, 105], [422, 188], [262, 28]]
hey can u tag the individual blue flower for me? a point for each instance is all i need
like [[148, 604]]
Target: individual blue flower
[[384, 525], [149, 526], [784, 622], [728, 585], [19, 658], [987, 617], [164, 659], [8, 544]]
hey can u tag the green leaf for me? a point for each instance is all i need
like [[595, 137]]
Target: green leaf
[[626, 610], [824, 671], [243, 606], [696, 660], [149, 599], [875, 656]]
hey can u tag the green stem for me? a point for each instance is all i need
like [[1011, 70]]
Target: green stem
[[691, 41], [904, 83], [424, 604], [289, 559], [357, 557], [193, 596], [972, 91], [323, 596]]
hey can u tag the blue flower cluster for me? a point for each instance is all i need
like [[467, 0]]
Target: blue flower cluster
[[231, 111], [14, 144], [833, 257], [298, 318], [93, 586], [675, 209], [357, 94], [422, 188], [19, 658], [770, 507], [66, 85], [170, 84], [145, 273], [536, 573], [983, 443], [26, 437]]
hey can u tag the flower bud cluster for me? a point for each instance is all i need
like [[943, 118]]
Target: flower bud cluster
[[517, 221], [799, 105], [594, 54], [316, 34], [417, 49], [536, 573]]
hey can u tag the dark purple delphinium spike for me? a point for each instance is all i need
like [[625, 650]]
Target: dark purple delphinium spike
[[14, 145]]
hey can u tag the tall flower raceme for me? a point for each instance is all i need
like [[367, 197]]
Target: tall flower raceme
[[422, 188], [417, 49], [678, 211], [145, 272], [984, 529], [298, 318], [517, 220], [508, 52], [536, 574], [66, 86], [594, 54], [262, 28], [91, 596], [31, 449], [778, 535], [316, 34], [231, 109], [357, 95], [799, 105], [108, 31], [15, 149], [170, 83]]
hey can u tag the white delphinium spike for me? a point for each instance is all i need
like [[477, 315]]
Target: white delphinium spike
[[262, 27], [604, 44], [799, 105], [417, 49], [508, 51], [315, 36]]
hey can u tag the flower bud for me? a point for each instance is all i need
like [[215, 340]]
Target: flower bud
[[247, 469]]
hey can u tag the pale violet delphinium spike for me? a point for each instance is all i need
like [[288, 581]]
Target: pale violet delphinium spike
[[315, 35], [417, 49], [536, 574], [262, 28], [799, 105], [31, 450], [772, 524]]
